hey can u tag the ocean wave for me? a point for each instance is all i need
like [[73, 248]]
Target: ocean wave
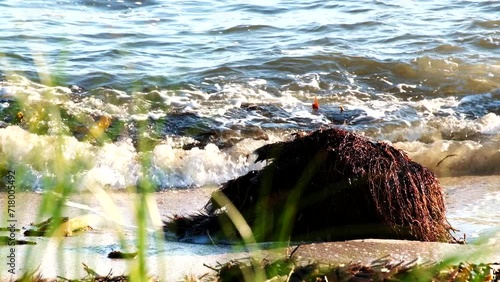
[[220, 113], [42, 161], [456, 158], [220, 105]]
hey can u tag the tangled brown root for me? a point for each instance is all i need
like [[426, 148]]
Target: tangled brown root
[[329, 185]]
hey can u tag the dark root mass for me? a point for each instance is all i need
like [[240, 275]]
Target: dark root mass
[[328, 185]]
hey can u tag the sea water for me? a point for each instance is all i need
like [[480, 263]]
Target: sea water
[[192, 88]]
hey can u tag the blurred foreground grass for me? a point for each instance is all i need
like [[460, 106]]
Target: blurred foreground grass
[[45, 117]]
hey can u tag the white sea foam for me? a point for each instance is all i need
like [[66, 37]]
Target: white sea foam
[[117, 166], [114, 165], [382, 116], [432, 106], [490, 124], [5, 91], [198, 167], [21, 146], [475, 98], [402, 86], [455, 158]]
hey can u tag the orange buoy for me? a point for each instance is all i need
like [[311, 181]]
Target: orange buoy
[[315, 105]]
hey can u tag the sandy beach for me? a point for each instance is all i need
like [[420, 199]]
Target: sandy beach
[[172, 261]]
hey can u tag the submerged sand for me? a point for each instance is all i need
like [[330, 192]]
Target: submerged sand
[[115, 229]]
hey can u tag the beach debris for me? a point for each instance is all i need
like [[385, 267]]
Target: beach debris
[[379, 270], [234, 271], [448, 156], [93, 276], [326, 185], [300, 273], [63, 226], [315, 104], [92, 127], [101, 125], [121, 255], [33, 276], [8, 241], [90, 271], [20, 116]]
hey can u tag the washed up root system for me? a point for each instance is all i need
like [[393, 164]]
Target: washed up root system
[[326, 185]]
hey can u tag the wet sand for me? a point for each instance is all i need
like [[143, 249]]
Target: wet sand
[[171, 261]]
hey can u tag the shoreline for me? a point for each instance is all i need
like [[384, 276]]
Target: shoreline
[[173, 261]]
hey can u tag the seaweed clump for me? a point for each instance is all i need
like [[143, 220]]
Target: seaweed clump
[[327, 185], [62, 226], [91, 276], [383, 269]]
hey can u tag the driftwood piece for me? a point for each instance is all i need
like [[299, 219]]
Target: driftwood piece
[[327, 185], [121, 255]]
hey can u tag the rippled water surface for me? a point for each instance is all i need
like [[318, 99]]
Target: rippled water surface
[[157, 43]]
